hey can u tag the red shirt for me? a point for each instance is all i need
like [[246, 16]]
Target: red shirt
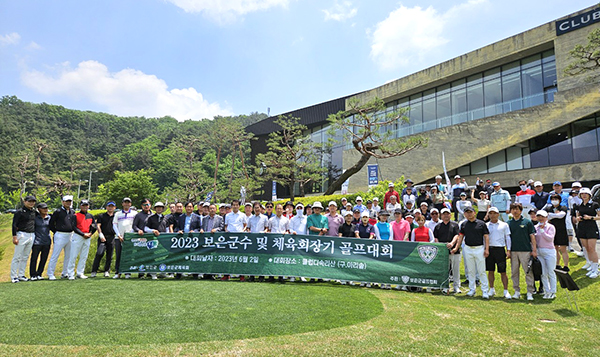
[[421, 234], [389, 194], [84, 222]]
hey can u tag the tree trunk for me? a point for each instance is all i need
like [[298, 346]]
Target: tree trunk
[[301, 193], [337, 184], [232, 169], [242, 158]]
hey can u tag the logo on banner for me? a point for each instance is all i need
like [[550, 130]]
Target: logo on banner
[[427, 253], [162, 267], [153, 244], [405, 279], [142, 268], [373, 171], [139, 242]]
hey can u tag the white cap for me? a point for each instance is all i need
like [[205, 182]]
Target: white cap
[[537, 183], [457, 176], [348, 204], [67, 198], [317, 204], [344, 199], [445, 210], [585, 190], [541, 213], [424, 204], [438, 177], [576, 184], [159, 204], [346, 213], [359, 198], [332, 203], [391, 184], [299, 204], [493, 209], [375, 199], [364, 213]]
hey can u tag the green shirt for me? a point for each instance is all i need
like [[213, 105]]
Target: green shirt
[[318, 221], [520, 231]]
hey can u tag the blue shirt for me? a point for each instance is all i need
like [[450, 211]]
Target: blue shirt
[[361, 208], [564, 198], [384, 230], [188, 219]]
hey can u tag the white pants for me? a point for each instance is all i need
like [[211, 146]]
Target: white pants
[[475, 261], [80, 246], [455, 269], [548, 259], [22, 251], [62, 241]]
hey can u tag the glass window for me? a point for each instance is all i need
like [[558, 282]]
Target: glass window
[[539, 151], [560, 151], [511, 91], [531, 80], [464, 171], [497, 162], [493, 96], [491, 74], [461, 83], [514, 159], [444, 110], [479, 167], [429, 116], [459, 106], [475, 101], [416, 117], [512, 67], [474, 79], [549, 74], [531, 61], [585, 143], [526, 159]]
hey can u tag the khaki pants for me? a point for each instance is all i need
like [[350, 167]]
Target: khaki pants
[[521, 259]]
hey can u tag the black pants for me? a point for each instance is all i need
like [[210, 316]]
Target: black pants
[[454, 209], [38, 251], [118, 248], [103, 247]]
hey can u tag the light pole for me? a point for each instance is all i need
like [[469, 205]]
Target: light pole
[[79, 188], [90, 184]]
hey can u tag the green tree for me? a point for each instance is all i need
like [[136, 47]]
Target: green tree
[[136, 185], [371, 134], [586, 57], [291, 156]]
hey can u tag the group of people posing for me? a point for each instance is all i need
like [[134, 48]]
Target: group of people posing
[[481, 229]]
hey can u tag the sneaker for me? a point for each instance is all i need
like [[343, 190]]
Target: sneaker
[[445, 291], [404, 288], [127, 276], [64, 276], [40, 278], [551, 296], [303, 279], [586, 266], [92, 275], [589, 273], [485, 295], [15, 280], [154, 277], [369, 285], [71, 278], [580, 253], [571, 250], [529, 297], [81, 276], [106, 274], [33, 278], [51, 277], [471, 293], [492, 292], [292, 279], [545, 296], [22, 278], [117, 276], [457, 291], [516, 295], [593, 275], [506, 295]]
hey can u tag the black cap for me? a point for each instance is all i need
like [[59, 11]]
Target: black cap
[[468, 208], [408, 180], [84, 203], [384, 213], [289, 203], [30, 198], [369, 201], [398, 210], [356, 210], [42, 205]]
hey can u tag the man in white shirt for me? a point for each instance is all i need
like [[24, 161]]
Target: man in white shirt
[[499, 242], [258, 222], [393, 204], [279, 223], [235, 221], [376, 206], [298, 222], [435, 219], [122, 223]]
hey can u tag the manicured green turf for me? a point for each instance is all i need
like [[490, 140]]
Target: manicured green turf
[[106, 312]]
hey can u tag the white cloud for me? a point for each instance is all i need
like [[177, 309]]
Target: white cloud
[[33, 46], [410, 34], [128, 92], [226, 10], [10, 39], [340, 11]]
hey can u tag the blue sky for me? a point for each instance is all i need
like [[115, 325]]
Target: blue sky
[[194, 59]]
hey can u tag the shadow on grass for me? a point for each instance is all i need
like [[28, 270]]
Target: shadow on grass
[[566, 313]]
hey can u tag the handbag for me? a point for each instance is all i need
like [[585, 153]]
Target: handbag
[[536, 265]]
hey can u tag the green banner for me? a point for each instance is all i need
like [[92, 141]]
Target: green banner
[[267, 254]]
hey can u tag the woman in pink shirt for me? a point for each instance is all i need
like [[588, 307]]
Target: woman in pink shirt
[[400, 226], [544, 236]]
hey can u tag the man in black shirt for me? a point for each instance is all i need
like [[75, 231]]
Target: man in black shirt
[[106, 236], [477, 244], [347, 229], [156, 223], [62, 224], [447, 231], [23, 234], [173, 218], [540, 198], [139, 222], [41, 243]]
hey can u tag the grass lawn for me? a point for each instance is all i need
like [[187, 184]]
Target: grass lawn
[[104, 317]]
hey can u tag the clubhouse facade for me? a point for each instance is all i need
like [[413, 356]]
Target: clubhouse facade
[[506, 111]]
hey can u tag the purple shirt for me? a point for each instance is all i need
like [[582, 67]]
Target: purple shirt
[[334, 223]]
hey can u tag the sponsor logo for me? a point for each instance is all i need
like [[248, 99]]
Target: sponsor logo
[[139, 242], [427, 253], [405, 279], [162, 267], [142, 268], [153, 244]]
